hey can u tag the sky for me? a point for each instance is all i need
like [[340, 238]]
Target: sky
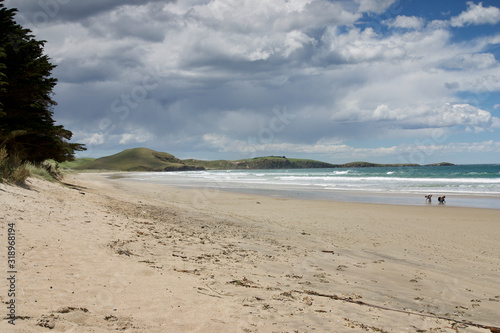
[[384, 81]]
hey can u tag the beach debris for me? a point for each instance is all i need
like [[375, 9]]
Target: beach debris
[[293, 276], [47, 321], [493, 329], [287, 294], [354, 324], [120, 251], [308, 300], [177, 255], [202, 291], [68, 309], [190, 271], [244, 283], [328, 251], [218, 293]]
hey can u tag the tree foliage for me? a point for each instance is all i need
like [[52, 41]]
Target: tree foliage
[[27, 127]]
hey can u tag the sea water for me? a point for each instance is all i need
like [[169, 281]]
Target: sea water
[[463, 185]]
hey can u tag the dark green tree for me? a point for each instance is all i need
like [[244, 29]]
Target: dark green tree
[[27, 127], [2, 76]]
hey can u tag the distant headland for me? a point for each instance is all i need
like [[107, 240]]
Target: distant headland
[[144, 159]]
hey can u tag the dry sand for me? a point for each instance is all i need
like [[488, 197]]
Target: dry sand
[[109, 255]]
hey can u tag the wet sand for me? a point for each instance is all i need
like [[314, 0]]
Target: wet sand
[[103, 255]]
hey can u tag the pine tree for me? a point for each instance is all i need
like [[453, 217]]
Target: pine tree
[[2, 76], [27, 127]]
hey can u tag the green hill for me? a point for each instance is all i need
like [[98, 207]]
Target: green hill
[[372, 165], [138, 159], [269, 162], [143, 159]]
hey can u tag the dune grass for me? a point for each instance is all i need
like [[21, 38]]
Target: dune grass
[[47, 170], [14, 171]]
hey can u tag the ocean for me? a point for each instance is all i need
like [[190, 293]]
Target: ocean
[[463, 185]]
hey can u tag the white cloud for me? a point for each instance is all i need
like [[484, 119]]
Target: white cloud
[[476, 15], [135, 136], [406, 22], [223, 65], [94, 139], [338, 150], [495, 122], [477, 61], [424, 116], [376, 6]]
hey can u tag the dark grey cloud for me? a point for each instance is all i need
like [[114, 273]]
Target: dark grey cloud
[[99, 67], [44, 11], [224, 78]]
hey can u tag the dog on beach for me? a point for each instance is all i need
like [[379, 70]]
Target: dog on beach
[[441, 199], [428, 198]]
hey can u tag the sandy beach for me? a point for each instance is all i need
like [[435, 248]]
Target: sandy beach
[[105, 255]]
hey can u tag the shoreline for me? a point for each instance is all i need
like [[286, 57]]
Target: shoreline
[[102, 255], [454, 199], [391, 198]]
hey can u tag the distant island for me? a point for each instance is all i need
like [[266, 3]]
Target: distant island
[[144, 159]]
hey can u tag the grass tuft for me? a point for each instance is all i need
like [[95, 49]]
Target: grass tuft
[[46, 171], [15, 171], [12, 169]]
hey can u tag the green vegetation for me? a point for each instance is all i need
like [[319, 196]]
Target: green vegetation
[[268, 162], [143, 159], [77, 162], [12, 169], [281, 162], [440, 164], [307, 164], [48, 170], [211, 165], [15, 171], [28, 133], [371, 165], [137, 159]]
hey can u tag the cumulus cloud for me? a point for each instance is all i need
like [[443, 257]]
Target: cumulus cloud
[[93, 139], [406, 22], [375, 6], [428, 147], [446, 115], [472, 61], [43, 12], [197, 75], [476, 15]]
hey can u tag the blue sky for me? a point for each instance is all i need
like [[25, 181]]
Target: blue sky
[[374, 80]]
